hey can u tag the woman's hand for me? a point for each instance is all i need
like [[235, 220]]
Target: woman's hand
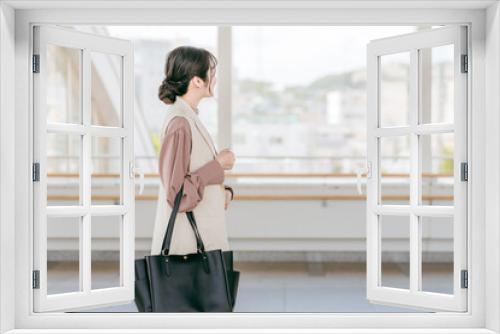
[[225, 158]]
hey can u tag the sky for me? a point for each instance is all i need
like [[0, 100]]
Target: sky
[[285, 55], [297, 55]]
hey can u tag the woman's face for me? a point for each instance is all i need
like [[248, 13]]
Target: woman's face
[[211, 82], [204, 87]]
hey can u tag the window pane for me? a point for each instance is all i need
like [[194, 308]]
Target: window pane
[[107, 159], [437, 254], [395, 251], [63, 169], [437, 168], [106, 89], [63, 254], [394, 170], [63, 84], [106, 240], [437, 84], [394, 89]]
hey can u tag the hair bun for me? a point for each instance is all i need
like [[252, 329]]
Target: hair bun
[[169, 90]]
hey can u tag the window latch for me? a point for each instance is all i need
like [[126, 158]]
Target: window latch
[[133, 171]]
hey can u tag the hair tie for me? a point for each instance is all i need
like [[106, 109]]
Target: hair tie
[[173, 82]]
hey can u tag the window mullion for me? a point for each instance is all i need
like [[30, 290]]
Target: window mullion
[[85, 236], [224, 54], [414, 171]]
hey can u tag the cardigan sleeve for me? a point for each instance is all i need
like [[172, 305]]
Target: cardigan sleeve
[[174, 163]]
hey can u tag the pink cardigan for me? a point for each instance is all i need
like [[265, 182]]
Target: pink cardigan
[[174, 167]]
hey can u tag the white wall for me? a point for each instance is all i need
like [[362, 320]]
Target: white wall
[[7, 165], [492, 270]]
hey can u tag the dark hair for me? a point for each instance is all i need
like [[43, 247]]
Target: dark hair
[[183, 63]]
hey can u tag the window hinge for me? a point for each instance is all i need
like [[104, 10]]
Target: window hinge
[[464, 171], [464, 279], [465, 65], [36, 171], [36, 279], [36, 63]]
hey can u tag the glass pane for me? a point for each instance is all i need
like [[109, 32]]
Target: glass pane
[[106, 89], [107, 169], [394, 170], [63, 254], [106, 240], [394, 89], [437, 84], [63, 169], [63, 84], [395, 251], [437, 168], [437, 254]]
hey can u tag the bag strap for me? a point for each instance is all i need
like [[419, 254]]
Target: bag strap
[[171, 221]]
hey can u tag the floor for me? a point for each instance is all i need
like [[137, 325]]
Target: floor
[[286, 286]]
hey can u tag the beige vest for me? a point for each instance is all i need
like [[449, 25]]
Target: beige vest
[[209, 213]]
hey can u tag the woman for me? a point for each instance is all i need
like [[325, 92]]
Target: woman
[[188, 157]]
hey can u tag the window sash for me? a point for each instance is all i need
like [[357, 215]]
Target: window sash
[[413, 296], [85, 296]]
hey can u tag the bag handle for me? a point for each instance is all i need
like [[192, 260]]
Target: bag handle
[[171, 221]]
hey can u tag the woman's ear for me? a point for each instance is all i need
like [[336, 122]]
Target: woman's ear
[[196, 82]]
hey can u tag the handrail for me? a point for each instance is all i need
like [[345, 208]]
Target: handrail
[[266, 197]]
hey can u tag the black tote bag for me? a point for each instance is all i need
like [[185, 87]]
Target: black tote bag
[[204, 281]]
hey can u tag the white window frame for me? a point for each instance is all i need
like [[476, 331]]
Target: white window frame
[[16, 152]]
